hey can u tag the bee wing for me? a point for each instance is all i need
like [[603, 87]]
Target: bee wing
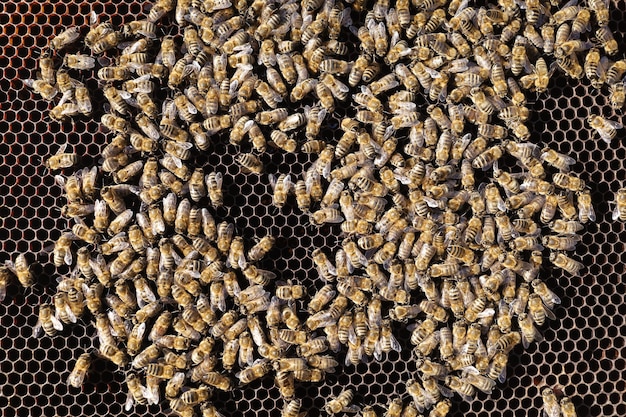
[[61, 149], [554, 66], [614, 124], [488, 312], [352, 337], [351, 409], [60, 180], [443, 94], [67, 96], [241, 261], [401, 176], [432, 72], [151, 394], [603, 67], [604, 135], [590, 212], [129, 402], [445, 391], [68, 257], [616, 213], [549, 313], [378, 350], [38, 329], [431, 202], [551, 410], [273, 180], [246, 357], [395, 345], [29, 82], [287, 184], [502, 376]]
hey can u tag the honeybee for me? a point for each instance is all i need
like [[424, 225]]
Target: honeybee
[[62, 159], [585, 207], [249, 163], [341, 403], [551, 406], [619, 212], [22, 270], [567, 407], [291, 408], [47, 321], [282, 187], [240, 128], [606, 129], [488, 157], [65, 38], [77, 376], [606, 39], [104, 38], [565, 262], [135, 391], [258, 370]]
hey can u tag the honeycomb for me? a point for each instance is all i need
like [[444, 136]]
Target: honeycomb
[[583, 350]]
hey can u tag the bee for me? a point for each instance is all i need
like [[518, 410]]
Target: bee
[[113, 73], [568, 182], [551, 406], [77, 376], [567, 407], [22, 270], [214, 188], [557, 160], [47, 321], [617, 95], [287, 68], [585, 207], [143, 120], [135, 391], [291, 408], [65, 38], [460, 386], [537, 310], [341, 403], [230, 353], [606, 39], [271, 116], [335, 66], [488, 157], [259, 369], [249, 163], [97, 31], [240, 128], [261, 248], [325, 268], [591, 66], [62, 159], [5, 279], [619, 212], [357, 70], [571, 66], [302, 89], [217, 380], [565, 262], [105, 38], [601, 11], [606, 129]]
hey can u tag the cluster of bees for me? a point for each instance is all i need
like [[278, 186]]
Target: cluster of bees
[[446, 210], [556, 408]]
